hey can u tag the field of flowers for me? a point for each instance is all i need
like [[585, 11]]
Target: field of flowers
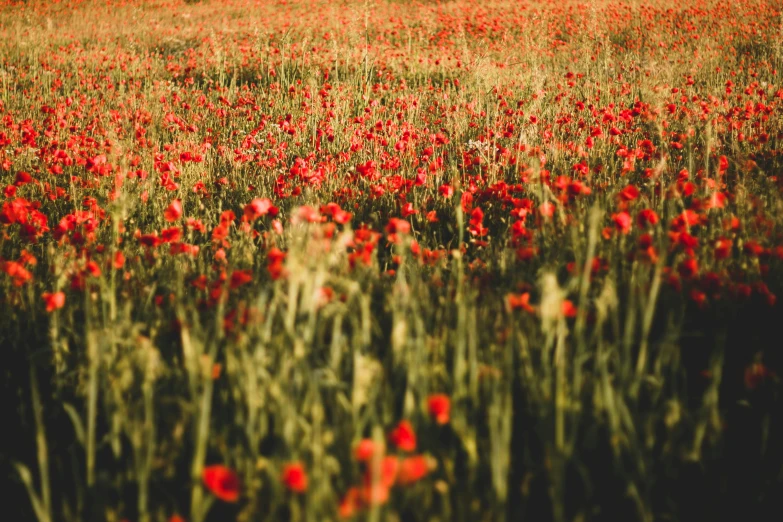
[[312, 260]]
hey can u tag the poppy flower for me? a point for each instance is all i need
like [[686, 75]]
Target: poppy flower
[[170, 235], [412, 469], [374, 494], [366, 449], [388, 472], [53, 301], [647, 217], [569, 309], [546, 209], [240, 277], [520, 301], [629, 193], [173, 212], [403, 436], [257, 208], [350, 503], [222, 482], [622, 222], [439, 408], [294, 477]]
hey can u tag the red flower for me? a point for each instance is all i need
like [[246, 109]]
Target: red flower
[[170, 235], [53, 301], [174, 212], [412, 469], [389, 466], [257, 208], [350, 504], [517, 301], [366, 449], [374, 494], [403, 436], [294, 477], [240, 277], [722, 248], [688, 268], [546, 209], [646, 217], [222, 481], [622, 222], [439, 407], [569, 309], [398, 226], [386, 475], [629, 193]]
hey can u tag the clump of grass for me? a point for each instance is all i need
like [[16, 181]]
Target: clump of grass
[[238, 245]]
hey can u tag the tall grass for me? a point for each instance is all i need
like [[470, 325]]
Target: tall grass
[[623, 388]]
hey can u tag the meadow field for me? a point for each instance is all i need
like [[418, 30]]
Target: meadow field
[[379, 260]]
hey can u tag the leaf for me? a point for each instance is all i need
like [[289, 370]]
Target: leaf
[[78, 425], [27, 478]]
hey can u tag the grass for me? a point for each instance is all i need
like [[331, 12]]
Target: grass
[[242, 241]]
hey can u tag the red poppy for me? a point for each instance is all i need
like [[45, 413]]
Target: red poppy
[[222, 481], [520, 301], [294, 477], [622, 222], [173, 212], [646, 217], [53, 301], [240, 277], [629, 193], [257, 208], [403, 436], [569, 309], [350, 504], [170, 235], [387, 473], [374, 494], [366, 449], [412, 469], [439, 407]]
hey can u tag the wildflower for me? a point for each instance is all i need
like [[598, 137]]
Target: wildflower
[[222, 481], [403, 436], [173, 212], [412, 469], [386, 475], [294, 477], [439, 408], [350, 503], [622, 222], [240, 277], [366, 449], [517, 301], [53, 301], [257, 208], [647, 217], [629, 193]]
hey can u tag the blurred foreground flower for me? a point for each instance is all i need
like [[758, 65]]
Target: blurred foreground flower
[[53, 301], [403, 436], [294, 477], [439, 407], [222, 481], [412, 469]]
